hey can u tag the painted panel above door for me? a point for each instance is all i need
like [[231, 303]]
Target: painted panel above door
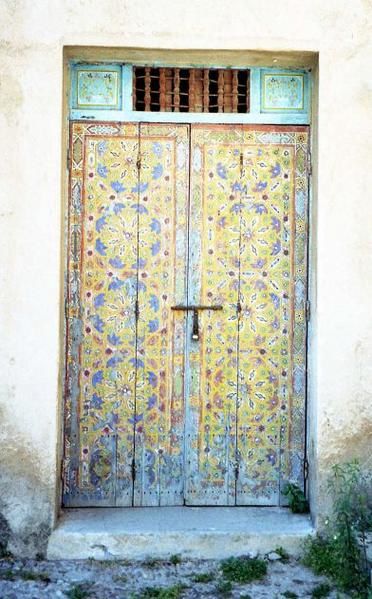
[[189, 95]]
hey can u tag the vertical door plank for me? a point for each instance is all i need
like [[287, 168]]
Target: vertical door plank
[[214, 274], [272, 325], [100, 319], [162, 212]]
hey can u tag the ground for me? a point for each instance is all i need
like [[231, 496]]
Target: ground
[[180, 579]]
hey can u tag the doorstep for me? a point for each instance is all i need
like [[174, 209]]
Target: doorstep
[[192, 532]]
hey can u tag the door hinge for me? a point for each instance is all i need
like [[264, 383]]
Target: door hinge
[[308, 310], [306, 469], [309, 163], [68, 165], [236, 470], [133, 469], [136, 310], [138, 163]]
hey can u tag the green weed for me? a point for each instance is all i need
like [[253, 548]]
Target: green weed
[[224, 587], [175, 559], [284, 555], [243, 569], [120, 578], [30, 575], [174, 592], [203, 577], [290, 595], [7, 574], [297, 501], [320, 591], [337, 552], [79, 591]]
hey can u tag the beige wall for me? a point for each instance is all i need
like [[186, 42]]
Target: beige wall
[[33, 35]]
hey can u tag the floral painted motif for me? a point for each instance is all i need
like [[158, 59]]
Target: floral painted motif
[[97, 88], [152, 417], [282, 92], [246, 407], [124, 402]]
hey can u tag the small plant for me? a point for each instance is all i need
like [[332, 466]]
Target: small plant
[[174, 592], [224, 587], [7, 574], [203, 577], [175, 559], [243, 569], [290, 595], [120, 578], [29, 575], [151, 563], [337, 552], [79, 591], [297, 501], [320, 591], [4, 553], [284, 555]]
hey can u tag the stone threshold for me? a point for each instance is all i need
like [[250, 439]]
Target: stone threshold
[[192, 532]]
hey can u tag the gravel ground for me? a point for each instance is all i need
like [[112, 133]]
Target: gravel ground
[[89, 579]]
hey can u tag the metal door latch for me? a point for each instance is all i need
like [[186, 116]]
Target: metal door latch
[[195, 316]]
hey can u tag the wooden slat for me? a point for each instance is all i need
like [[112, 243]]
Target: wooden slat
[[168, 89], [234, 103], [176, 90], [162, 89], [198, 90], [147, 89], [192, 90], [227, 91], [220, 90], [206, 90]]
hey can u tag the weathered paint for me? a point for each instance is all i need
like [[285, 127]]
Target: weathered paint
[[248, 252], [153, 415]]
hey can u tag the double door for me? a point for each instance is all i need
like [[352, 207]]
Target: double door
[[185, 314]]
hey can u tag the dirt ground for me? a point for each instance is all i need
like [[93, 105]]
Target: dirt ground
[[174, 579]]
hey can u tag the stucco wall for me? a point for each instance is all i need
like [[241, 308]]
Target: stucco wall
[[33, 35]]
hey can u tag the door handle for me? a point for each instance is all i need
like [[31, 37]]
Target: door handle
[[195, 316]]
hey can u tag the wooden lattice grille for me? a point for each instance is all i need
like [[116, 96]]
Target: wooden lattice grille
[[190, 90]]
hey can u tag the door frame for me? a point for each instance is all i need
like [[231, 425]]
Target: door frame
[[72, 53]]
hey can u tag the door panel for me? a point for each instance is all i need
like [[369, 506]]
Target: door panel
[[101, 292], [214, 280], [272, 323], [124, 357], [162, 258]]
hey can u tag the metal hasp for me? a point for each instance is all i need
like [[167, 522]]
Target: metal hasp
[[195, 316]]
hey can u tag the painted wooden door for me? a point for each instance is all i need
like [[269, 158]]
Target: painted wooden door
[[125, 354], [157, 413], [246, 376]]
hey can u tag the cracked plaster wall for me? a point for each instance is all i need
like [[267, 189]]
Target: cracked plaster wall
[[32, 37]]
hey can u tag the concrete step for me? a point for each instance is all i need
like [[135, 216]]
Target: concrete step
[[139, 533]]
